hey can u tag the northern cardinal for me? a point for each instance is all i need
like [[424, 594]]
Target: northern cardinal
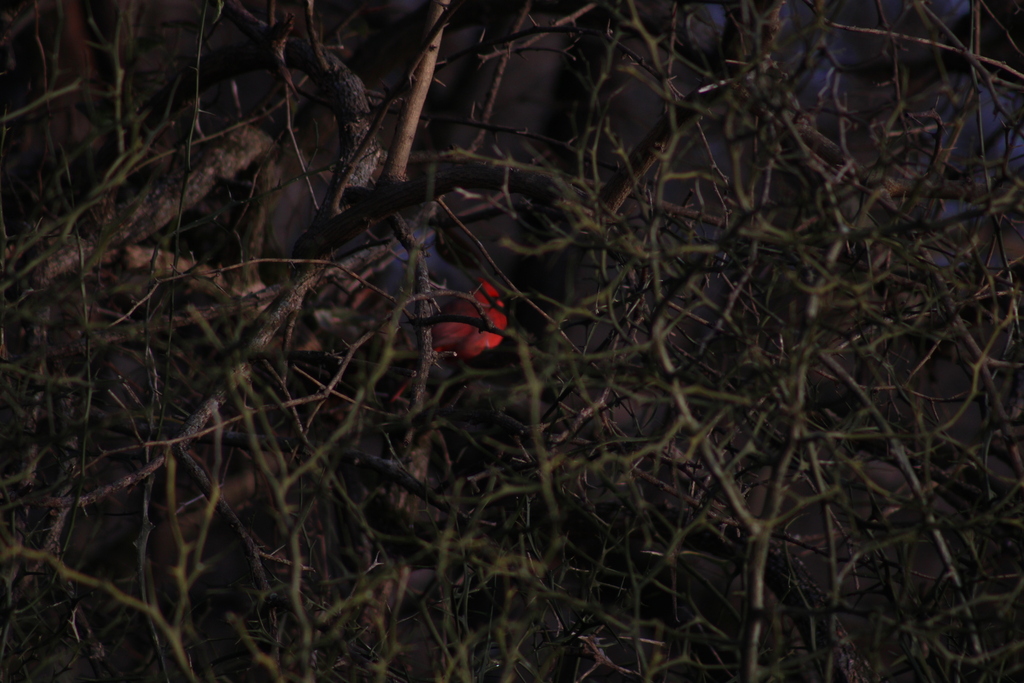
[[465, 340]]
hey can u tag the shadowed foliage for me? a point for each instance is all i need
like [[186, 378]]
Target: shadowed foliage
[[629, 340]]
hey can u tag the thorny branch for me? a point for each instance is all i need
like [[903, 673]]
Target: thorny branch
[[761, 351]]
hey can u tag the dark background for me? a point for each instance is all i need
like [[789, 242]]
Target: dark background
[[753, 418]]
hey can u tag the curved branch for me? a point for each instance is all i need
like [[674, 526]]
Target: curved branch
[[320, 241]]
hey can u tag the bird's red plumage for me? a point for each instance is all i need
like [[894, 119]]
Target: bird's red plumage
[[465, 340]]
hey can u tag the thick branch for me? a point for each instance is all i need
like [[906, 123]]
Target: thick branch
[[405, 131], [320, 241], [231, 154]]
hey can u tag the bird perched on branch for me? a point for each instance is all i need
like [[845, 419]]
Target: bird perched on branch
[[466, 341]]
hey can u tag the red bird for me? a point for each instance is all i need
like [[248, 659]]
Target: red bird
[[465, 340]]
